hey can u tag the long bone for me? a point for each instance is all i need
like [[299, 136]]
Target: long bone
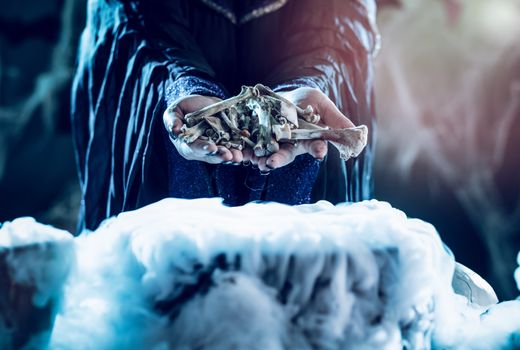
[[306, 114], [350, 142], [229, 122], [195, 117]]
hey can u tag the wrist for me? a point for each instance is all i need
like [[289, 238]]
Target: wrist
[[193, 85], [296, 83]]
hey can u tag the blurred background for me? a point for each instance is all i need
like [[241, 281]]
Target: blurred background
[[448, 96]]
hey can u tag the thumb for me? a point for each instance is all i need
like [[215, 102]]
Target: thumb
[[331, 116], [173, 120]]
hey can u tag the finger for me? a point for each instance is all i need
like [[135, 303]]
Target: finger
[[262, 164], [187, 152], [316, 148], [247, 154], [173, 120], [201, 148], [331, 116], [237, 156], [224, 154], [177, 124], [284, 156], [254, 159], [220, 155]]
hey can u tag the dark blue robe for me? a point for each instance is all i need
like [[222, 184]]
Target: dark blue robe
[[136, 56]]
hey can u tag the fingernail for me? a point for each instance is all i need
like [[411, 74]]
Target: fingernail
[[264, 172], [236, 163], [214, 153], [246, 163], [228, 162]]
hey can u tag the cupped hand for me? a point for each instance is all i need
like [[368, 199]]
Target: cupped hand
[[330, 116], [201, 150]]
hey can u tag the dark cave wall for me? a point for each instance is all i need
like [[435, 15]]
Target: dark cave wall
[[38, 42]]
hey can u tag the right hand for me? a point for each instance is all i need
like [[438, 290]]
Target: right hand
[[331, 117], [204, 151]]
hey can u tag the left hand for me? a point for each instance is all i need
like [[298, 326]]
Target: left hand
[[330, 116], [199, 150]]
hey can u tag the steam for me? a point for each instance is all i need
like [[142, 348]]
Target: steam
[[449, 95], [195, 274], [35, 261], [39, 266], [183, 274]]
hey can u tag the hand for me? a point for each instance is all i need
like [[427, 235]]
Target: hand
[[330, 116], [205, 151]]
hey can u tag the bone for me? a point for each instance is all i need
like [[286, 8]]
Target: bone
[[215, 123], [309, 115], [220, 132], [194, 117], [273, 146], [263, 112], [189, 135], [232, 113], [307, 125], [231, 123], [281, 132], [350, 142], [248, 141], [306, 114], [234, 144], [260, 149], [288, 111]]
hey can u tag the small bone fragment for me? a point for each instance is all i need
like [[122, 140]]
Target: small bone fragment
[[273, 146], [233, 115], [281, 131], [260, 150], [288, 111], [309, 115], [216, 125], [233, 144], [189, 135]]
